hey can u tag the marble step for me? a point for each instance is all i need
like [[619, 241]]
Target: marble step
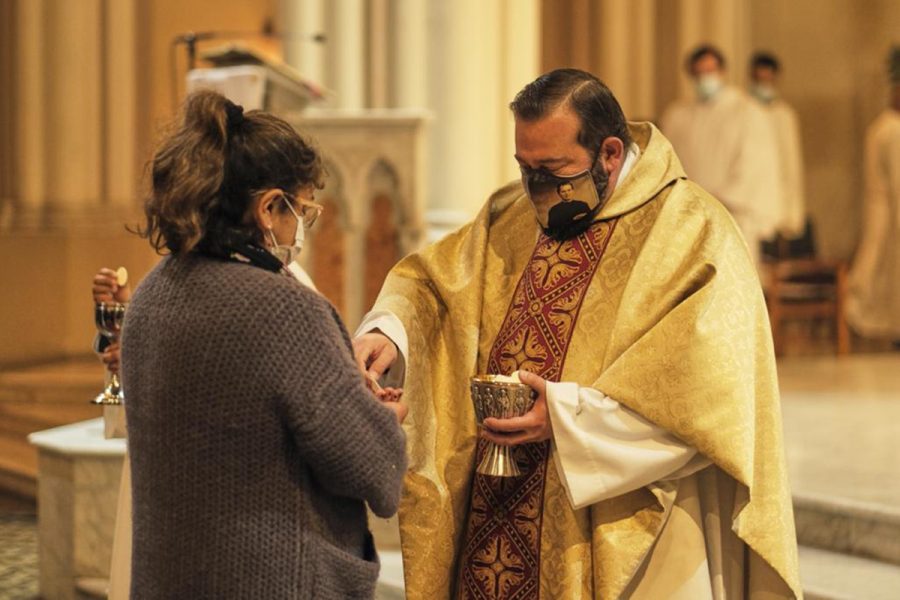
[[829, 575], [849, 527]]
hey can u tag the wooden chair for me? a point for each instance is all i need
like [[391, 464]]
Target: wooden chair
[[806, 289]]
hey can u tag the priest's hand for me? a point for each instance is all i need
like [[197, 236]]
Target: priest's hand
[[533, 426], [375, 353]]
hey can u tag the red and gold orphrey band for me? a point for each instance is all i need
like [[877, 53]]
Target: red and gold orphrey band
[[501, 551]]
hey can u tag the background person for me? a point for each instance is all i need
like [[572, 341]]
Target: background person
[[765, 74], [873, 303], [726, 144]]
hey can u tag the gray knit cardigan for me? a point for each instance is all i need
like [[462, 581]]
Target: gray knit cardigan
[[254, 442]]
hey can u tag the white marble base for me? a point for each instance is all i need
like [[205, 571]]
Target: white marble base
[[78, 485]]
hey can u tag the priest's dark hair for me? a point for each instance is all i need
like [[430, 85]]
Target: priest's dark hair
[[701, 51], [206, 173], [593, 102], [764, 60]]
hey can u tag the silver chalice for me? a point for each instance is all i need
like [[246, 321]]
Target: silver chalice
[[108, 317], [495, 397]]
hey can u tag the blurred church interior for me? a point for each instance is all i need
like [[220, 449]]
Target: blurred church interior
[[408, 101]]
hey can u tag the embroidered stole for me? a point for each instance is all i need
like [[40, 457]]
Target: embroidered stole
[[500, 555]]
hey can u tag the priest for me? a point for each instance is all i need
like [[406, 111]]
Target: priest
[[652, 461]]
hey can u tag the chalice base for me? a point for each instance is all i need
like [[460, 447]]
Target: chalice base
[[111, 396], [498, 461]]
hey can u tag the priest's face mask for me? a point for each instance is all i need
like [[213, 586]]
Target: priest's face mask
[[565, 205]]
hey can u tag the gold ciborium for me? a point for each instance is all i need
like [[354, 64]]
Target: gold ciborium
[[500, 397], [108, 317]]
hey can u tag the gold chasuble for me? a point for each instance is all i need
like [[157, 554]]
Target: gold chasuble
[[657, 306]]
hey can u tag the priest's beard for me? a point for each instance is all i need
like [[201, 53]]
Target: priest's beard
[[576, 228]]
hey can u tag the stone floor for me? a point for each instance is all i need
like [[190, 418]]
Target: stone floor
[[842, 426], [18, 549]]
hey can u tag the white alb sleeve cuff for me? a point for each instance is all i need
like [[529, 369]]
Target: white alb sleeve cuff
[[603, 449], [387, 323]]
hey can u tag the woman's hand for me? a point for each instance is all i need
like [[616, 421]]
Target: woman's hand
[[110, 357], [400, 409], [388, 396], [106, 287]]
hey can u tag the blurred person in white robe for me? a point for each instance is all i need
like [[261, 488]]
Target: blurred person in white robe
[[873, 304], [765, 71], [727, 145]]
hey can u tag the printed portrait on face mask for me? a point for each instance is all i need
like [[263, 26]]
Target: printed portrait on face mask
[[564, 206]]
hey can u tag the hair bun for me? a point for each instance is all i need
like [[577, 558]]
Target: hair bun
[[234, 113]]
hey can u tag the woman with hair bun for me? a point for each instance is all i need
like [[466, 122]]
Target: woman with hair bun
[[254, 441]]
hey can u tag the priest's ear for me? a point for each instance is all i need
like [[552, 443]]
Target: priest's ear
[[612, 154]]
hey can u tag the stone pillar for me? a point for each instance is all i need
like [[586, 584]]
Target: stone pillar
[[30, 115], [378, 54], [74, 108], [479, 52], [347, 66], [301, 19], [626, 54], [521, 58], [410, 53], [7, 82], [643, 64], [690, 34], [121, 89]]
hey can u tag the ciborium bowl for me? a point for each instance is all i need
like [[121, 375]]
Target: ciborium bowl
[[500, 397]]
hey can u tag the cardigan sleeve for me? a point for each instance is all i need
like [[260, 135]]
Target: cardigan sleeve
[[353, 444]]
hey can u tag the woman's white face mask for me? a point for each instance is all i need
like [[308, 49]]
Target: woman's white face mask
[[288, 254]]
